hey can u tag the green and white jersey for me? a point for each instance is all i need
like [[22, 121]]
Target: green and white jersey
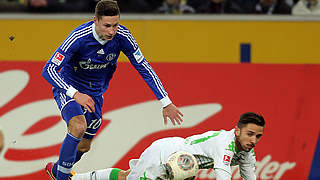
[[220, 146]]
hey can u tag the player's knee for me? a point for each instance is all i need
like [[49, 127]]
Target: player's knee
[[77, 126]]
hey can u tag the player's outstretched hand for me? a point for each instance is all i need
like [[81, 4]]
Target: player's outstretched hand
[[173, 113], [85, 101]]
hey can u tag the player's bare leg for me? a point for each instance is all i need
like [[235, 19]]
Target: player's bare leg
[[77, 126]]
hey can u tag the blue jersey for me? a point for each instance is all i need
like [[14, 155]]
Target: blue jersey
[[85, 63]]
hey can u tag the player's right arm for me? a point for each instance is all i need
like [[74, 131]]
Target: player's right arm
[[247, 169], [223, 152], [51, 71], [222, 174], [60, 58], [247, 172]]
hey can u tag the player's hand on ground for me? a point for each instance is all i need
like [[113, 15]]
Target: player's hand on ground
[[173, 113], [85, 101]]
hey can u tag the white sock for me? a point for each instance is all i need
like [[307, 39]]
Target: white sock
[[103, 174]]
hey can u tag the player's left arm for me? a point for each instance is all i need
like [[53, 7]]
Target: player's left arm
[[247, 169], [221, 174], [134, 54], [247, 172]]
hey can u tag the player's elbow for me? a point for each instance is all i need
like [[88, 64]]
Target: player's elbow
[[47, 72], [44, 72]]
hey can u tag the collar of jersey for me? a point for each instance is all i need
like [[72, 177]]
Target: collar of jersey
[[95, 35]]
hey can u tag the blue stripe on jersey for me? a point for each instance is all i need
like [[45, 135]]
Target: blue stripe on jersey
[[55, 77], [74, 36], [128, 35], [155, 78]]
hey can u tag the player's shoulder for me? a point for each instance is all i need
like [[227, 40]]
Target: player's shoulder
[[223, 134], [123, 32], [82, 30], [226, 141], [85, 25], [126, 38], [80, 33], [123, 28]]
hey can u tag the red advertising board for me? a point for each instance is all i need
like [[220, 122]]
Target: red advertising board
[[211, 96]]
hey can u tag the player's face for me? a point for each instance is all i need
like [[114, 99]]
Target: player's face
[[107, 26], [247, 137]]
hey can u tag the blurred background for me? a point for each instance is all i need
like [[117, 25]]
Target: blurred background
[[169, 6], [216, 58]]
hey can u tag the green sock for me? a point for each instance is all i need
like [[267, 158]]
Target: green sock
[[114, 174]]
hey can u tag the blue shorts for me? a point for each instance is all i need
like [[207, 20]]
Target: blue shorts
[[70, 108]]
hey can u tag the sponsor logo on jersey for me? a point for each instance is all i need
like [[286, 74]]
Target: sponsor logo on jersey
[[89, 65], [100, 52], [110, 56], [57, 58], [226, 159], [138, 55]]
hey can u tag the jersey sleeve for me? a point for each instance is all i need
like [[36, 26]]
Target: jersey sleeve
[[222, 161], [131, 49], [247, 172], [222, 174], [59, 58], [247, 169], [223, 155]]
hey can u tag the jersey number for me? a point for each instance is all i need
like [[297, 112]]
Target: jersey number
[[95, 124]]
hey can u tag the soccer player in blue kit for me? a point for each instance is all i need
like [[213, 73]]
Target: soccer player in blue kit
[[80, 71]]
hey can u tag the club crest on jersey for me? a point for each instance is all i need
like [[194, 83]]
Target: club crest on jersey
[[138, 55], [110, 56], [226, 159], [57, 58], [100, 52]]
